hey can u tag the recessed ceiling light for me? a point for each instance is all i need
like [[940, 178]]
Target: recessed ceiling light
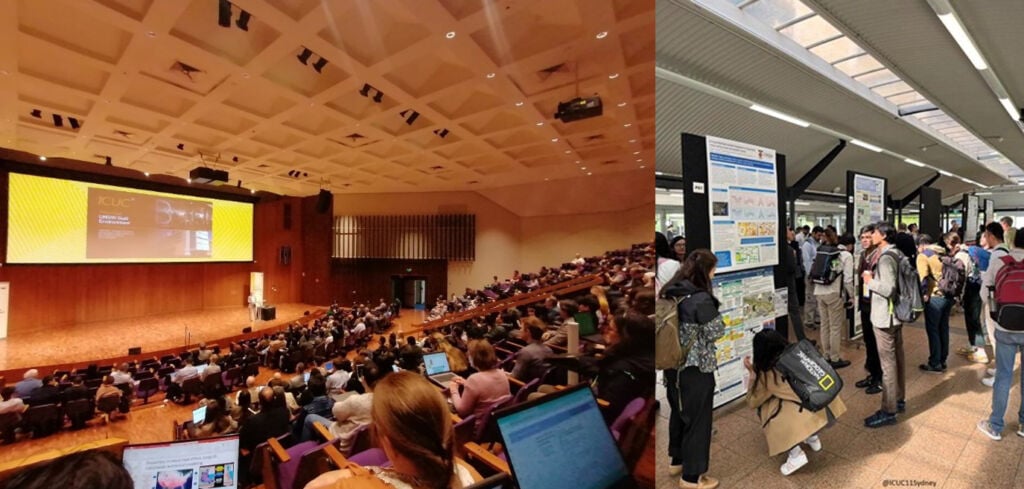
[[146, 174], [638, 160], [589, 174], [490, 75], [627, 125], [622, 104], [583, 168], [602, 35], [643, 166], [546, 179], [636, 152], [151, 34], [554, 140], [568, 151], [632, 140], [613, 76], [42, 158], [540, 123], [450, 35], [519, 104], [577, 162]]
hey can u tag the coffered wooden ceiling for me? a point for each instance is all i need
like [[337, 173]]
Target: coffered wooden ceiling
[[161, 87]]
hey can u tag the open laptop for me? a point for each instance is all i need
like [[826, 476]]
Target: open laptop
[[195, 464], [199, 415], [561, 440], [438, 370]]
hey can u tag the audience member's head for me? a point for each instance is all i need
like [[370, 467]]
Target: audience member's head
[[1006, 222], [90, 469], [412, 423], [31, 374], [533, 328], [631, 333], [250, 381], [567, 308], [482, 356], [994, 234], [7, 392]]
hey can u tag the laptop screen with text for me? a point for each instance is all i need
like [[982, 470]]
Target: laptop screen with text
[[436, 363], [561, 441], [194, 464]]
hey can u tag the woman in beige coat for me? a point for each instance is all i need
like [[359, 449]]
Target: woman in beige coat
[[786, 425]]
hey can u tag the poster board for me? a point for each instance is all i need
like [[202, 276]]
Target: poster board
[[970, 214], [865, 197], [742, 188], [990, 211], [747, 306]]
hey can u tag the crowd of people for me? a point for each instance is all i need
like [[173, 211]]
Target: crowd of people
[[895, 276]]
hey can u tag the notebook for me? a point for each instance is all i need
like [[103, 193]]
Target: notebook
[[561, 440], [203, 464], [437, 368]]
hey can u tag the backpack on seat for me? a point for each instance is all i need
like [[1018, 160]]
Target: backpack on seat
[[825, 268], [813, 380], [906, 301], [1008, 299]]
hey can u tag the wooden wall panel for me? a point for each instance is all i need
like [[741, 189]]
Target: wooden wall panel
[[317, 242], [367, 280]]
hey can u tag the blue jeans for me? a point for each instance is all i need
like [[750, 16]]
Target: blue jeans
[[1007, 346], [936, 324], [307, 426]]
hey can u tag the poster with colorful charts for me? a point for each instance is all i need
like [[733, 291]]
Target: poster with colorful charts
[[971, 211], [747, 306], [743, 192], [868, 201]]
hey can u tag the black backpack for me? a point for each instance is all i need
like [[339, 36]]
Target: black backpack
[[906, 300], [813, 380], [825, 268]]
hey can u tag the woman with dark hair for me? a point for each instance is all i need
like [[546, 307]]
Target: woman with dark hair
[[90, 469], [691, 387], [626, 371], [678, 246], [785, 423], [667, 264]]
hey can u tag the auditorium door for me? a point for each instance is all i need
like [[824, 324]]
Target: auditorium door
[[410, 289]]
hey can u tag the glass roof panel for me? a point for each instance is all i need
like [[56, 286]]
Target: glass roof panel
[[858, 65], [905, 98], [877, 78], [892, 88], [835, 50], [777, 12], [810, 31]]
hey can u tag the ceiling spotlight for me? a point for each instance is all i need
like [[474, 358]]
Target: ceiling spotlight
[[42, 158], [589, 174], [583, 168], [643, 166], [627, 125], [224, 13], [622, 104], [540, 123], [632, 140], [181, 146], [568, 151], [554, 140], [304, 56], [319, 65], [602, 35], [450, 35], [519, 104], [636, 152], [490, 75], [234, 158], [639, 160], [546, 179], [613, 76]]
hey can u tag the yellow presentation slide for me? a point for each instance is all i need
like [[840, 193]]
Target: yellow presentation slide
[[53, 220]]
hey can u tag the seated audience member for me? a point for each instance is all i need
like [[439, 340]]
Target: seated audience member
[[47, 393], [560, 337], [204, 353], [184, 373], [251, 388], [29, 382], [531, 360], [349, 414], [243, 407], [480, 390], [122, 376], [319, 402], [786, 424], [336, 381], [298, 382], [10, 403], [89, 469], [272, 420], [457, 361], [626, 371], [76, 391], [218, 421], [212, 368], [107, 389], [414, 428], [411, 355]]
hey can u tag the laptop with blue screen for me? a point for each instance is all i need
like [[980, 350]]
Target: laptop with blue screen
[[561, 440], [437, 369]]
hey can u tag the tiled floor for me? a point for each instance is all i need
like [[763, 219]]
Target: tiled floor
[[935, 444]]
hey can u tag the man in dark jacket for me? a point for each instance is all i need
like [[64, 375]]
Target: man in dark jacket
[[793, 274], [48, 393], [272, 421]]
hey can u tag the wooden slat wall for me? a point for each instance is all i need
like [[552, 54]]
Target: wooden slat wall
[[363, 280], [420, 237]]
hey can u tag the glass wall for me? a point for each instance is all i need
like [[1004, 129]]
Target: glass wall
[[668, 212]]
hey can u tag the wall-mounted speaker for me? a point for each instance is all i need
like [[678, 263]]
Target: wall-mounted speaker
[[247, 329], [135, 350], [286, 255], [324, 201]]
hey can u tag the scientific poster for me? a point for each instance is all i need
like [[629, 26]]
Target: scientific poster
[[868, 201], [743, 191], [970, 223], [748, 305], [990, 211]]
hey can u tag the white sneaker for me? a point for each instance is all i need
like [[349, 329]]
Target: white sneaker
[[1020, 431], [988, 381], [815, 443], [991, 372], [794, 463], [675, 469], [986, 428], [978, 356]]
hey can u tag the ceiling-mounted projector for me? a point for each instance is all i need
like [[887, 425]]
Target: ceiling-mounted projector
[[208, 176], [579, 108]]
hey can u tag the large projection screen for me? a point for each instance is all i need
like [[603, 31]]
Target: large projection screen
[[53, 220]]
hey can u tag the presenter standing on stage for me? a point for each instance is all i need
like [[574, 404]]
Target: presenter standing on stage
[[252, 308]]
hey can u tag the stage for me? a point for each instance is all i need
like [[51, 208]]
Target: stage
[[101, 342]]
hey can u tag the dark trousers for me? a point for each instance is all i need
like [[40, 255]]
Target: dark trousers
[[696, 398], [801, 290], [972, 313], [936, 324], [871, 363], [796, 315], [675, 422]]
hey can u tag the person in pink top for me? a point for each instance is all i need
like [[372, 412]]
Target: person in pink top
[[482, 389]]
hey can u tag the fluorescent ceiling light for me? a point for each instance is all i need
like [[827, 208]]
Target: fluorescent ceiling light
[[966, 44], [1010, 109], [946, 173], [803, 203], [983, 193], [779, 115], [867, 146], [914, 162]]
